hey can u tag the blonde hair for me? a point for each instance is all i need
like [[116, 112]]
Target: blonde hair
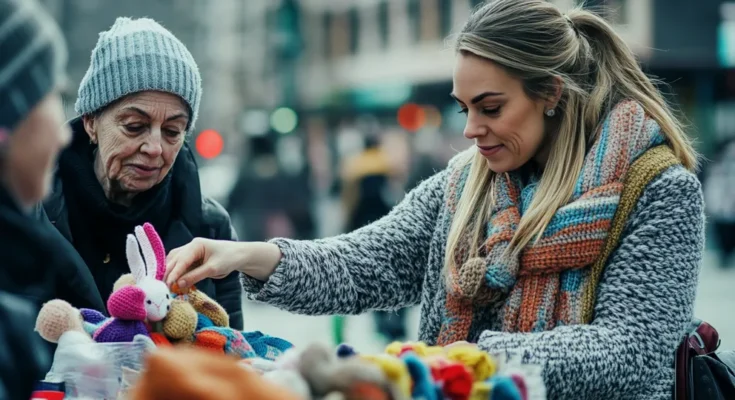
[[534, 42]]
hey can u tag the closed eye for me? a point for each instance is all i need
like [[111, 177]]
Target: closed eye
[[491, 111]]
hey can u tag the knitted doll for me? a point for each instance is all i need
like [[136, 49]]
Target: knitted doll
[[149, 299]]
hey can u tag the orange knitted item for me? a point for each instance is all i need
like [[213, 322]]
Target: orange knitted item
[[160, 340], [189, 374], [211, 341]]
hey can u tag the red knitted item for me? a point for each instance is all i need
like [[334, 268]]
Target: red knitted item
[[211, 341], [456, 380], [160, 340], [128, 303]]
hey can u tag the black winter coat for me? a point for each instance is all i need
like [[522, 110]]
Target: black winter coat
[[97, 228]]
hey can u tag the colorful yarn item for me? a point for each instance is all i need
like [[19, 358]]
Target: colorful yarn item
[[503, 388], [455, 380], [264, 346], [478, 361], [394, 369], [423, 385], [345, 351], [481, 391], [520, 383]]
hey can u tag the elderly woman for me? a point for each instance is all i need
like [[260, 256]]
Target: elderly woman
[[128, 162], [571, 232]]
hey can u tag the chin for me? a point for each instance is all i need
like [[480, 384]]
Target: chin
[[499, 167]]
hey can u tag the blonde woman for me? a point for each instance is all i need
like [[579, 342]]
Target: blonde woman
[[571, 232]]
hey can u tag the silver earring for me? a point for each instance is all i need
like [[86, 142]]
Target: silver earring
[[550, 112]]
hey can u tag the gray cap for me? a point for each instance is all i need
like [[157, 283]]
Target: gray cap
[[32, 59], [137, 55]]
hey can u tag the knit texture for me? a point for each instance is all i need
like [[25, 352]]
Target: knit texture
[[55, 318], [644, 298], [128, 303], [33, 60], [138, 55], [544, 286]]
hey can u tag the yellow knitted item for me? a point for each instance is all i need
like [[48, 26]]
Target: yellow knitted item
[[479, 362], [181, 320], [420, 348], [394, 369], [480, 391], [643, 170]]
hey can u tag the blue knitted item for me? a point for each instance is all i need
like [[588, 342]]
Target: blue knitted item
[[268, 347], [423, 383], [137, 55], [503, 388], [345, 351], [236, 342], [203, 322]]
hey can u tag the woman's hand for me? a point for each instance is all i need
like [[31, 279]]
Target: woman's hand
[[206, 258]]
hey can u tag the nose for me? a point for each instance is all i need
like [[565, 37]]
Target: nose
[[152, 145], [473, 129]]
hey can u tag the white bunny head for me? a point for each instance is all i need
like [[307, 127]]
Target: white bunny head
[[149, 269]]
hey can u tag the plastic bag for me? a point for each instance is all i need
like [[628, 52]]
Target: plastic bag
[[97, 370]]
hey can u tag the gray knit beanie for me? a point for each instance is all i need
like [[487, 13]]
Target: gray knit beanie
[[32, 59], [136, 55]]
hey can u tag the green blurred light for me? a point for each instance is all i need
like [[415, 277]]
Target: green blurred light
[[284, 120]]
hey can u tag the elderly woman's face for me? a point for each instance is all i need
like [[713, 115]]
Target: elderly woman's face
[[139, 139], [32, 150]]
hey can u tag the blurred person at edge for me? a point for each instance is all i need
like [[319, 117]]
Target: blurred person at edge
[[128, 162], [365, 185], [32, 132], [719, 193], [499, 247]]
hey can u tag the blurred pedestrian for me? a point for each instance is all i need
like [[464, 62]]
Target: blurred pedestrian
[[129, 163], [365, 186], [32, 133], [570, 233], [719, 185]]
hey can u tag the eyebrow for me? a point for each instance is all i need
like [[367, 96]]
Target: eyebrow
[[145, 114], [479, 97]]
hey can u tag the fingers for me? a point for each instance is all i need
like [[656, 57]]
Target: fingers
[[183, 259], [195, 275]]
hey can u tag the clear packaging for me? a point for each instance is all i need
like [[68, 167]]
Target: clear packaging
[[97, 370]]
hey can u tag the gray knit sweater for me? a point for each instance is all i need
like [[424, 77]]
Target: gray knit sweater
[[644, 300]]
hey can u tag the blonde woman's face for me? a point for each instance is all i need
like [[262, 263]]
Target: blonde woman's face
[[506, 125]]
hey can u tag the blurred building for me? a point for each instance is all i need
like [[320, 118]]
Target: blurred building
[[372, 56], [226, 37]]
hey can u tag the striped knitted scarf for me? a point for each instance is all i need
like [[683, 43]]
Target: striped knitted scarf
[[543, 286]]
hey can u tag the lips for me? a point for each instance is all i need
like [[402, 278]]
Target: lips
[[489, 150], [145, 170]]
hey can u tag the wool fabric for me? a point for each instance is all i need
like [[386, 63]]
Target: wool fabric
[[137, 55], [33, 60]]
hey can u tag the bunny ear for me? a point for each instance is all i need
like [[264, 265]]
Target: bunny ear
[[137, 266], [147, 250], [158, 250]]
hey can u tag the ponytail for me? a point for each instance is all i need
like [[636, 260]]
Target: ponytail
[[615, 75]]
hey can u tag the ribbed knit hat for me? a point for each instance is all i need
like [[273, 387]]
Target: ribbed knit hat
[[32, 59], [136, 55]]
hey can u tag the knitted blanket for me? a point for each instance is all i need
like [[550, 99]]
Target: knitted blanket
[[543, 286]]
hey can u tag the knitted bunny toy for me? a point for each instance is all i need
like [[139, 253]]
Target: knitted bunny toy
[[149, 299]]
